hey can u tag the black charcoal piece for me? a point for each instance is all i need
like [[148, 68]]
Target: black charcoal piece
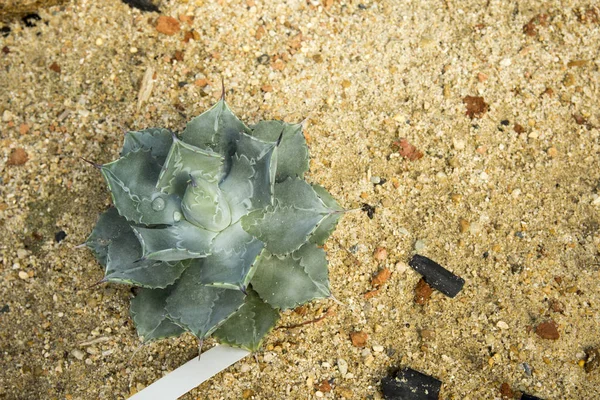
[[410, 385], [526, 396], [144, 5], [60, 236], [437, 276]]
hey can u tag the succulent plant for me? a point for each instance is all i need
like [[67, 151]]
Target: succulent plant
[[217, 227]]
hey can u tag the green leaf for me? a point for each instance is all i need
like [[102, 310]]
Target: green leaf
[[232, 263], [292, 160], [297, 214], [185, 160], [157, 140], [176, 242], [217, 129], [131, 180], [288, 281], [150, 317], [110, 226], [200, 308], [249, 325]]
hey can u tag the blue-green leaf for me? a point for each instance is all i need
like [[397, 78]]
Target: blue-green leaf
[[185, 160], [287, 281], [249, 325], [292, 160], [231, 264], [205, 205], [157, 140], [217, 129], [149, 315], [110, 226], [297, 214], [131, 180], [176, 242], [199, 308], [124, 265]]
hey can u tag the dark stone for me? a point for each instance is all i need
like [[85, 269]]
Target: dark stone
[[505, 122], [5, 308], [263, 59], [526, 396], [31, 20], [5, 31], [437, 276], [409, 384], [370, 210], [143, 5], [59, 236]]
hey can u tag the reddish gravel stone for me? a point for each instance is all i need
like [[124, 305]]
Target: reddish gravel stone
[[17, 156], [476, 107], [167, 25], [359, 339], [422, 292], [381, 277], [547, 330]]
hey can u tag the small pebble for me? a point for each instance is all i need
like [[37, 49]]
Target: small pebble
[[380, 254], [547, 330], [342, 366], [420, 245], [167, 25], [359, 339], [375, 180], [23, 275], [381, 277], [378, 349], [99, 42], [78, 354], [502, 325], [422, 292]]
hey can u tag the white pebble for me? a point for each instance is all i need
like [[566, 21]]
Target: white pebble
[[378, 349], [502, 325], [419, 245], [23, 275]]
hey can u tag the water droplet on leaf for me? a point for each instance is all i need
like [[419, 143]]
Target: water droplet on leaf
[[158, 204]]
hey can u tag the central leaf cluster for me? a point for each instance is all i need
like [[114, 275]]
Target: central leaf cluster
[[217, 227]]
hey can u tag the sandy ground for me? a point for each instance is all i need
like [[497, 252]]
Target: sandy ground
[[505, 195]]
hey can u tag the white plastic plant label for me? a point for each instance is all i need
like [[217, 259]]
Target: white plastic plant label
[[191, 374]]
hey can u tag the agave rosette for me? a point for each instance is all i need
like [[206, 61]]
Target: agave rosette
[[218, 227]]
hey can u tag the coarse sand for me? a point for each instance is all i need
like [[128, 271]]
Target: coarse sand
[[497, 179]]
